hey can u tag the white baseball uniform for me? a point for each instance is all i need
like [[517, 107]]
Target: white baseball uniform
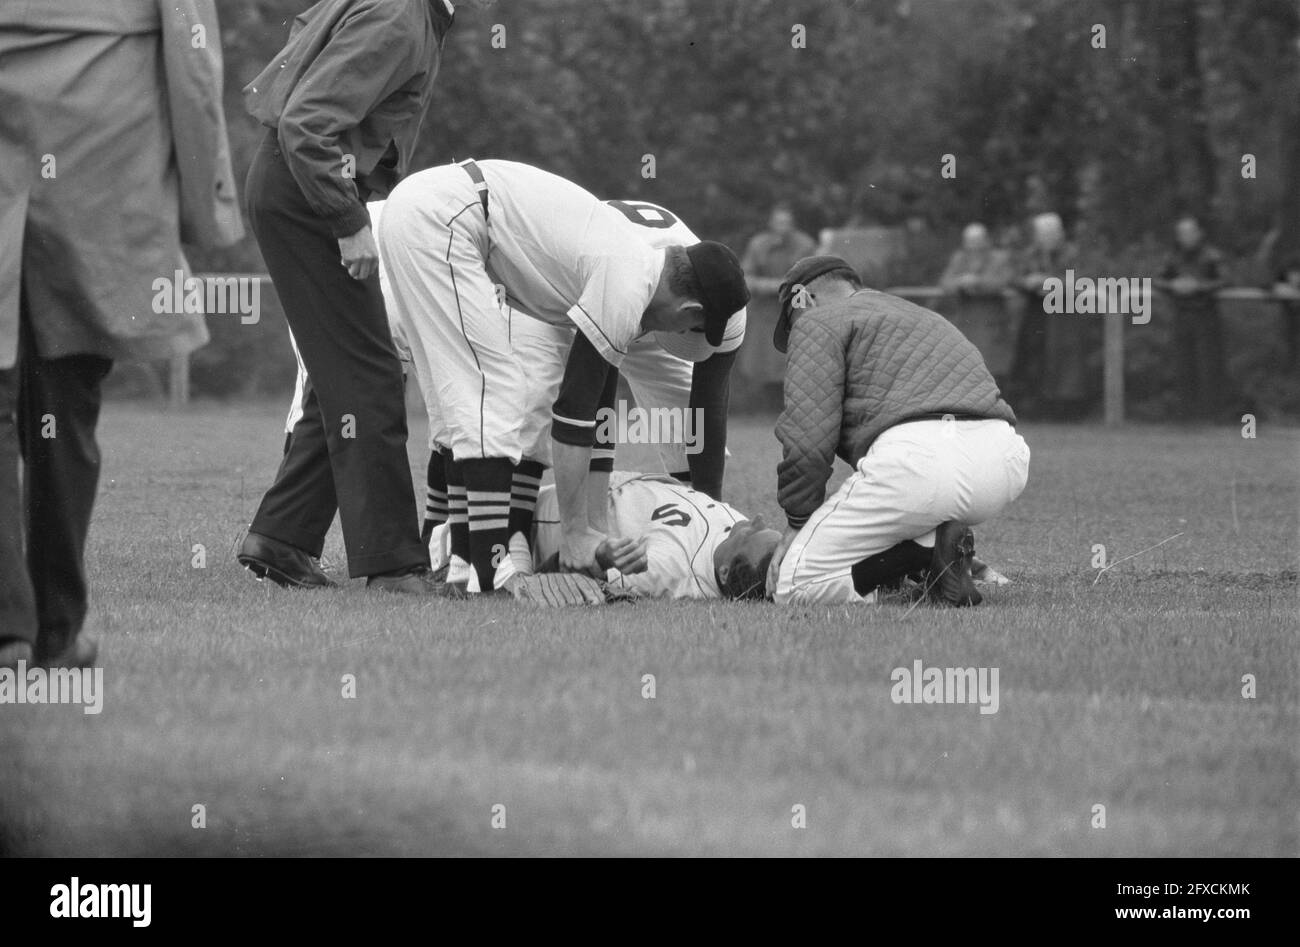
[[562, 256], [682, 528], [658, 366]]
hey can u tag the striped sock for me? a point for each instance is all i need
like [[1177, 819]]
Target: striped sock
[[435, 503], [524, 484], [487, 492], [457, 512]]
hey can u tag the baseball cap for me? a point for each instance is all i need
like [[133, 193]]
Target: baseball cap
[[722, 284], [801, 274]]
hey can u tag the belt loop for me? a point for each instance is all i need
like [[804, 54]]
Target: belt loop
[[480, 183]]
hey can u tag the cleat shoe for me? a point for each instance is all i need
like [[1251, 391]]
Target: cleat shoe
[[950, 581], [285, 565], [458, 576], [415, 580]]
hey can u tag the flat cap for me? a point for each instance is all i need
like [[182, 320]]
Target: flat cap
[[801, 274]]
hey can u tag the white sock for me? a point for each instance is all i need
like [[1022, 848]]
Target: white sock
[[439, 546], [520, 554]]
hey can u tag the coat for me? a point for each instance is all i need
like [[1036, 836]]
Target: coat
[[858, 367], [113, 151]]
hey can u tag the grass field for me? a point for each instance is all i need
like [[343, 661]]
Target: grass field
[[1124, 692]]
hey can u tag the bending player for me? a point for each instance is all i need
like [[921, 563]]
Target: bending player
[[451, 235], [662, 382]]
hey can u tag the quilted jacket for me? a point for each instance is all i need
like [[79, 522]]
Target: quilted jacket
[[858, 367]]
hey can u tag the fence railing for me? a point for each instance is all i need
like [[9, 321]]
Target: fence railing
[[760, 362]]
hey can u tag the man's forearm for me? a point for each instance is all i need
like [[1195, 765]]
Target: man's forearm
[[710, 397], [597, 491], [571, 473]]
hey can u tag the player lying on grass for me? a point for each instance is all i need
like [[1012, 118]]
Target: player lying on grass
[[451, 237], [899, 393], [693, 546]]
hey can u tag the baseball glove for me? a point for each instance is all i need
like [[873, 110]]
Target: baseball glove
[[556, 589]]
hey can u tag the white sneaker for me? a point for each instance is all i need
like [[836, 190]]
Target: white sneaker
[[521, 555], [505, 571], [459, 572], [439, 547]]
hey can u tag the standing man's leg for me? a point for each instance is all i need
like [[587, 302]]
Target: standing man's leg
[[544, 348], [17, 597], [58, 410], [434, 242], [342, 333]]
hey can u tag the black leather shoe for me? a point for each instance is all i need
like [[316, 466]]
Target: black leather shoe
[[13, 651], [283, 564], [417, 580], [950, 581], [80, 652]]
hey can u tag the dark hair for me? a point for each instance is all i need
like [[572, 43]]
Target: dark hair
[[748, 580], [682, 280]]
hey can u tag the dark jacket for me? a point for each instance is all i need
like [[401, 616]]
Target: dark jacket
[[354, 81], [1204, 264], [858, 367]]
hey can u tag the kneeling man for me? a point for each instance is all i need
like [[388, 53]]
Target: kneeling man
[[899, 393]]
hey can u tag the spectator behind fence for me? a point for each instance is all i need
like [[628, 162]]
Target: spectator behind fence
[[1192, 273], [977, 268], [977, 276], [112, 151], [1051, 373], [773, 251]]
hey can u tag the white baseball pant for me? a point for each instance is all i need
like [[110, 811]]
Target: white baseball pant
[[915, 477], [434, 244]]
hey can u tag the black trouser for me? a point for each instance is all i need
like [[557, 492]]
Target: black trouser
[[1029, 360], [1198, 343], [349, 449], [49, 408]]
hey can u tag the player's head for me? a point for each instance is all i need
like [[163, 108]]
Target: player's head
[[812, 281], [740, 561], [700, 288]]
